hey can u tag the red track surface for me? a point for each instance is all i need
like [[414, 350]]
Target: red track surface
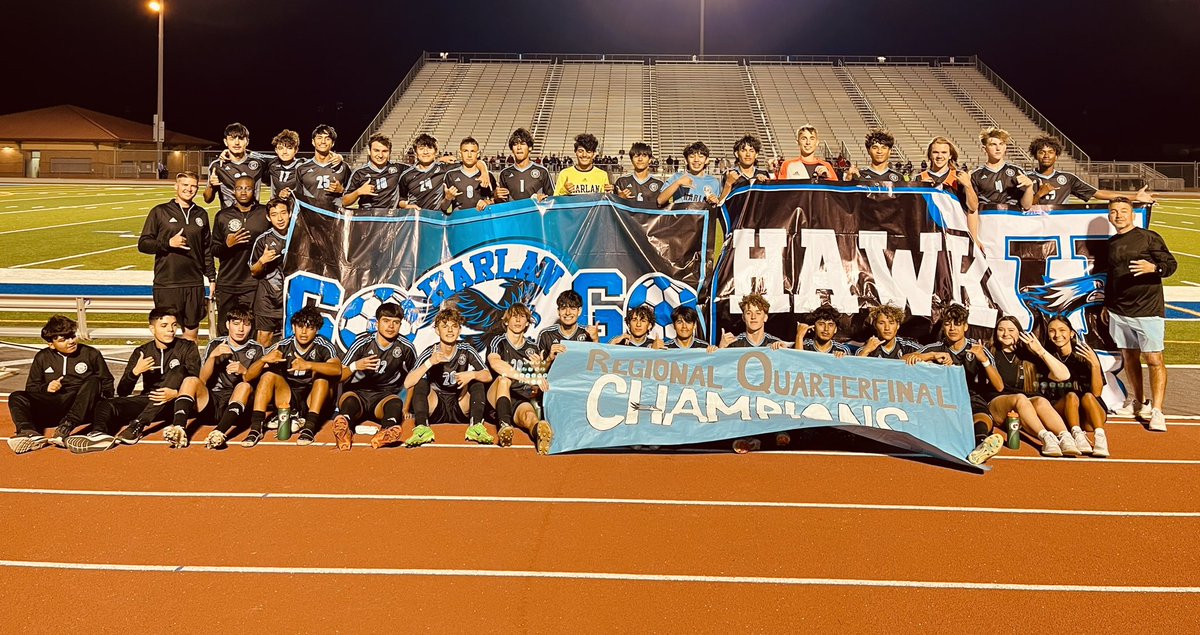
[[487, 564]]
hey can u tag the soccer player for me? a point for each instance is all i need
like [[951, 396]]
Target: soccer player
[[583, 177], [808, 165], [879, 145], [943, 173], [284, 167], [1078, 398], [755, 311], [176, 233], [233, 164], [295, 372], [225, 386], [376, 185], [686, 322], [266, 264], [692, 187], [824, 328], [374, 369], [66, 381], [468, 185], [638, 322], [449, 381], [423, 185], [639, 188], [524, 178], [163, 364], [885, 342], [513, 395], [570, 305], [1138, 260], [746, 172], [1055, 187], [983, 381], [998, 182], [234, 231], [322, 179]]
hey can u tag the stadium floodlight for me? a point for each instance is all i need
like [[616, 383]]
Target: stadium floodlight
[[160, 128]]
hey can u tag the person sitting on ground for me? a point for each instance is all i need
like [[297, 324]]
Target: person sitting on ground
[[570, 305], [824, 327], [374, 369], [517, 391], [1078, 398], [886, 343], [448, 382]]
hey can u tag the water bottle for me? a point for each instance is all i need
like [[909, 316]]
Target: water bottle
[[1013, 424], [284, 432]]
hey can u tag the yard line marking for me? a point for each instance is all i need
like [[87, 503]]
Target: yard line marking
[[72, 267], [1184, 229], [1187, 222], [123, 268], [85, 222], [90, 253], [600, 575], [1194, 284], [581, 500], [81, 205]]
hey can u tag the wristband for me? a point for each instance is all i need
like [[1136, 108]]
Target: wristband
[[985, 363]]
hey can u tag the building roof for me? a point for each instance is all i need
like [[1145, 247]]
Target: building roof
[[72, 123]]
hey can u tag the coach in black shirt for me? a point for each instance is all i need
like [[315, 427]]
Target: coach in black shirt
[[177, 234]]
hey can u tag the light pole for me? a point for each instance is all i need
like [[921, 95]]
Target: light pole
[[701, 29], [160, 129]]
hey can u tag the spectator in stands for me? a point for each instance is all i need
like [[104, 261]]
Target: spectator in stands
[[823, 323], [176, 233], [1138, 260], [638, 188], [234, 231], [885, 343], [423, 185], [323, 179], [266, 265], [583, 177], [523, 179], [468, 185], [998, 182], [943, 173], [879, 145], [66, 381], [693, 187], [233, 164], [746, 172], [1055, 187], [1078, 398], [376, 185], [808, 165]]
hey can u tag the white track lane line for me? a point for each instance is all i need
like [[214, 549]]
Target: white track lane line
[[596, 575]]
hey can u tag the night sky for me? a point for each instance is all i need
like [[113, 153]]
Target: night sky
[[1119, 78]]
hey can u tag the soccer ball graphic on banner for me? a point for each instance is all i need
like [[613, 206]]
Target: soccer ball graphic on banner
[[662, 294], [357, 315]]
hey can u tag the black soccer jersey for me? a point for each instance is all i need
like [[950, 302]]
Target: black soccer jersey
[[871, 177], [646, 342], [743, 341], [810, 344], [977, 378], [315, 177], [229, 172], [503, 347], [272, 279], [470, 189], [423, 187], [900, 347], [223, 381], [554, 334], [524, 183], [696, 343], [444, 377], [1065, 185], [180, 355], [319, 350], [999, 186], [1011, 367], [645, 193], [284, 175], [743, 180], [1080, 381], [395, 361], [234, 269], [387, 185]]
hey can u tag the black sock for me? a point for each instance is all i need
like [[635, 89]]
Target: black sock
[[392, 411], [982, 430], [230, 417], [185, 407], [478, 394], [256, 420], [352, 408], [420, 402], [504, 410]]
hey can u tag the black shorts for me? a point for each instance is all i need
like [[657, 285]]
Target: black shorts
[[371, 399], [979, 405], [447, 410], [226, 300], [188, 301], [217, 403], [268, 311], [490, 413]]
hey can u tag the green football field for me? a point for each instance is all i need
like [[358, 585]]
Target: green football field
[[95, 227]]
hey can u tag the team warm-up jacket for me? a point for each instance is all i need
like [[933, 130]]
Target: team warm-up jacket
[[174, 268], [72, 370], [179, 352]]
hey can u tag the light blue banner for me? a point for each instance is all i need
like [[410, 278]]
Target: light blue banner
[[610, 396]]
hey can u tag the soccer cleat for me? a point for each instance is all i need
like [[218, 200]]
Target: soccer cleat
[[90, 442], [1081, 441], [986, 449], [1067, 444], [342, 435], [1158, 422], [477, 433], [306, 437], [1050, 445], [176, 437], [387, 436], [1100, 447], [215, 440], [252, 438], [58, 438], [23, 444], [131, 434], [746, 445], [504, 436], [420, 436], [273, 422], [545, 436]]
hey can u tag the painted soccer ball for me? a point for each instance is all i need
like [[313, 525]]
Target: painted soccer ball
[[662, 294], [357, 316]]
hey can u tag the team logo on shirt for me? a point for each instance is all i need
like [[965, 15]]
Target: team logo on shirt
[[893, 178], [199, 222], [397, 352], [81, 368], [1062, 179], [462, 359], [173, 364], [654, 187], [392, 170], [1009, 172], [535, 173], [250, 354], [253, 164], [234, 225]]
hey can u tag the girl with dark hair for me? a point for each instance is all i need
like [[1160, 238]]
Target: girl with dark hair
[[1020, 358], [1077, 399]]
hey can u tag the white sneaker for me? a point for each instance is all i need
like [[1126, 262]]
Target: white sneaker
[[1100, 447], [1131, 408], [23, 444], [1081, 440], [1158, 422], [176, 437], [1050, 445], [1068, 444]]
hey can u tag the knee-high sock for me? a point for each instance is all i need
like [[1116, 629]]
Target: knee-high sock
[[504, 410], [185, 408], [392, 411], [420, 402], [478, 394]]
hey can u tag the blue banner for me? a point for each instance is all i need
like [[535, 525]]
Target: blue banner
[[610, 396]]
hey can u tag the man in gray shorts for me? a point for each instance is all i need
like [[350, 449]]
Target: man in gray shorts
[[1138, 260]]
